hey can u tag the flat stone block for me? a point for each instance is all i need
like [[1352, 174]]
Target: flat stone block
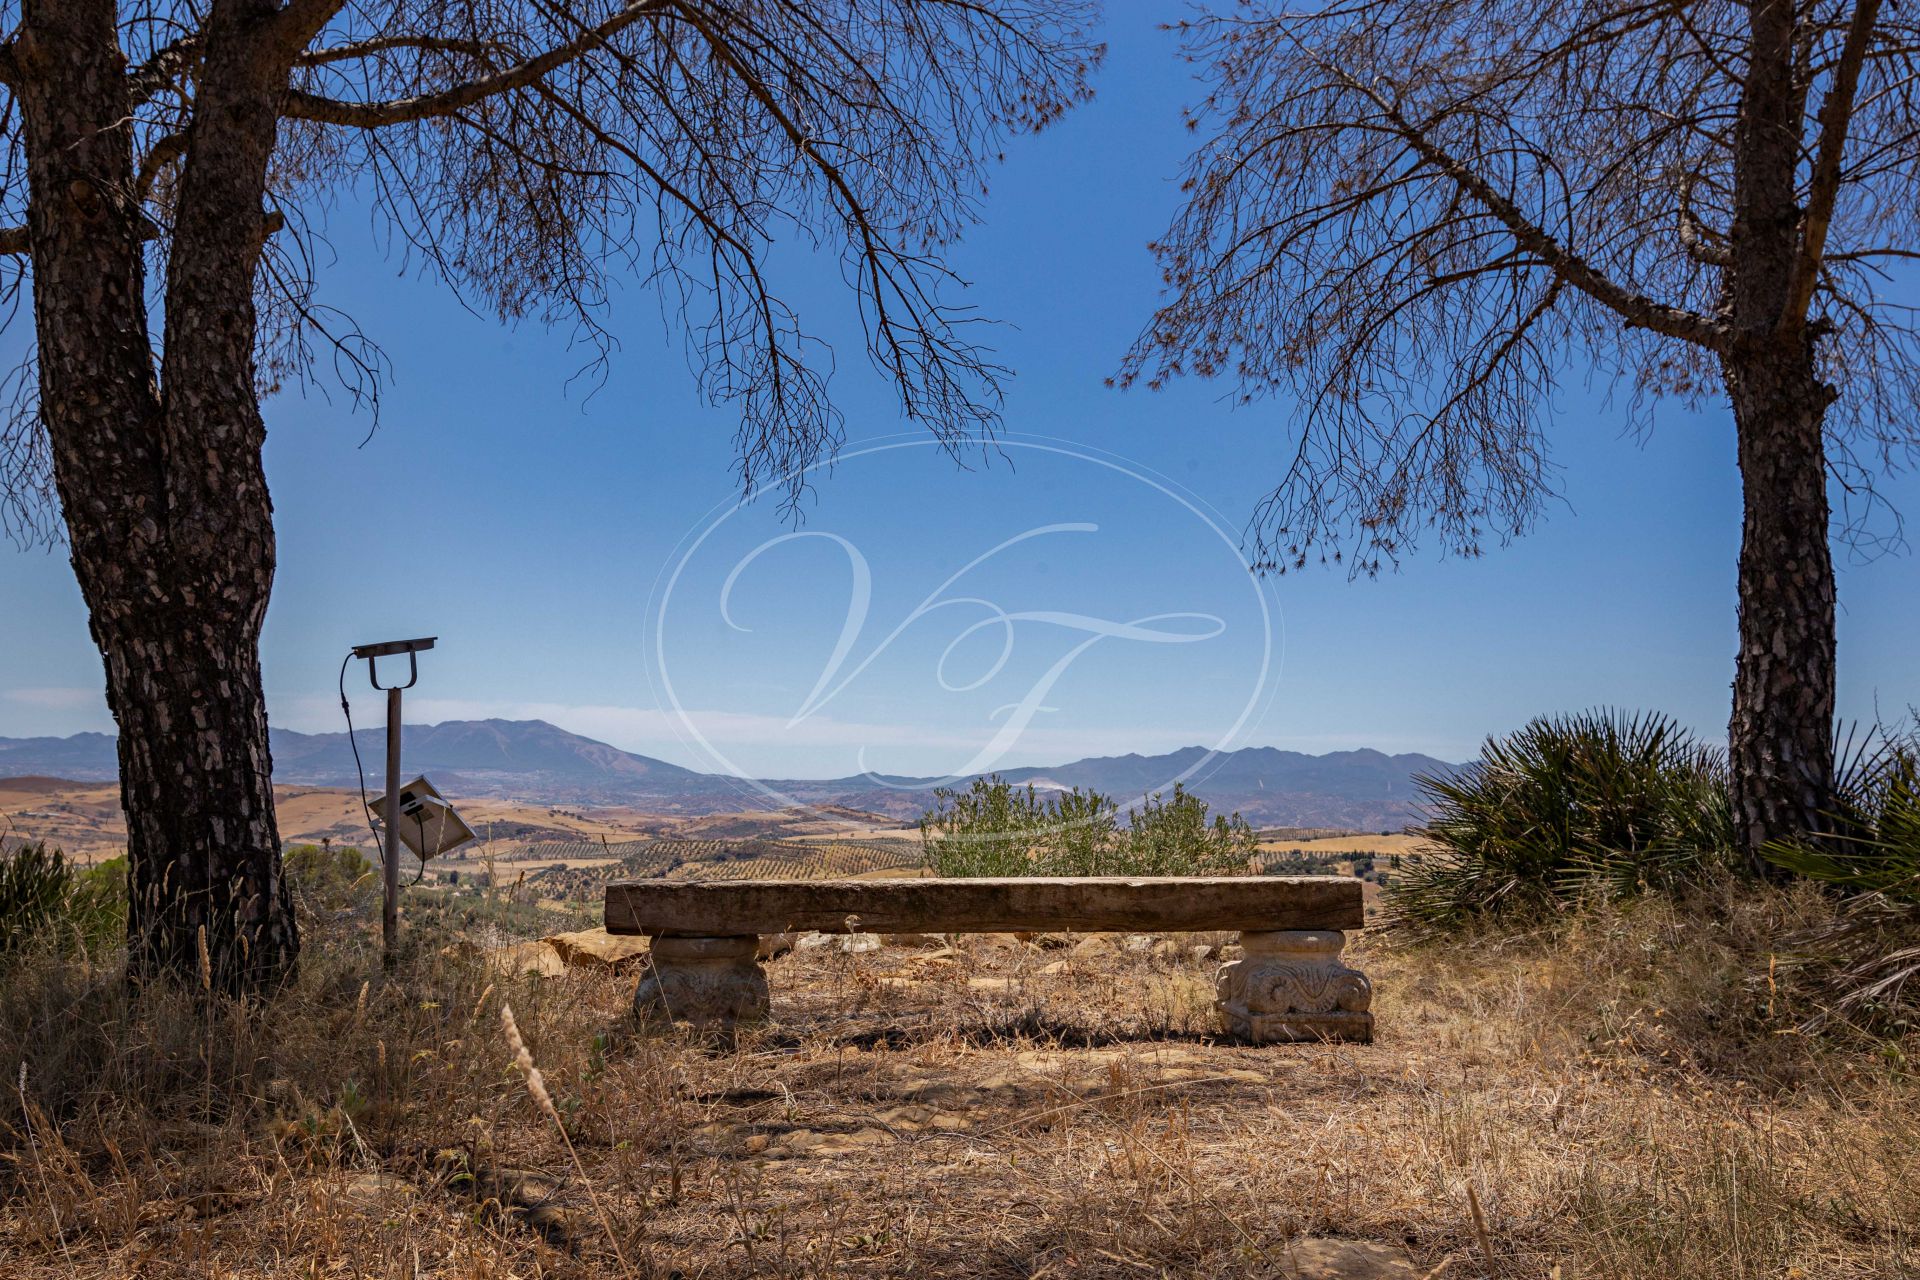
[[1116, 904]]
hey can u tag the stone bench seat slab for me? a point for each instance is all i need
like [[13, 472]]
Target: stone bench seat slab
[[1095, 904]]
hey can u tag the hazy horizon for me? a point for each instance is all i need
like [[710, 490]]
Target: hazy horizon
[[378, 730]]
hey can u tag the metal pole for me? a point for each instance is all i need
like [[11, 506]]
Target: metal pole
[[390, 909]]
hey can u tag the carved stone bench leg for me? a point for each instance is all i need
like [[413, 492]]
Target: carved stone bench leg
[[1290, 985], [708, 982]]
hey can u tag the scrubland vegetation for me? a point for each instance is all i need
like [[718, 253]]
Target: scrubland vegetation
[[997, 829], [1656, 1075], [1604, 806], [1623, 1088]]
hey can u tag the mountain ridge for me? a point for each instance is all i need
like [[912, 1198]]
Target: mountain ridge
[[1361, 788]]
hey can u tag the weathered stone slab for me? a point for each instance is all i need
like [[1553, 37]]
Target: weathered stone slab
[[1032, 904]]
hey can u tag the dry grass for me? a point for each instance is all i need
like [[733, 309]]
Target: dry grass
[[1615, 1094]]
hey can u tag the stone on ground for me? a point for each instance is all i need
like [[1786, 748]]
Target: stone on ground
[[539, 956], [1320, 1258], [597, 949]]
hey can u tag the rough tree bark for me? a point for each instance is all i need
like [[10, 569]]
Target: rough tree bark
[[162, 485], [1783, 689]]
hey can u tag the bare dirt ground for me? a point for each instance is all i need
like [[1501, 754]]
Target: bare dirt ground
[[1614, 1097]]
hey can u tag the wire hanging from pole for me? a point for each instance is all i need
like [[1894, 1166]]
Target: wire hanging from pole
[[365, 807]]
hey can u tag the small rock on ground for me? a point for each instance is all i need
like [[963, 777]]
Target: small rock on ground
[[598, 949], [1318, 1258]]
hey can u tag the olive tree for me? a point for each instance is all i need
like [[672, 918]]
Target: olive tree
[[1417, 215], [169, 168]]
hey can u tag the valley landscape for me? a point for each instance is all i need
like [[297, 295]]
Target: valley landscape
[[541, 799], [539, 763], [808, 388]]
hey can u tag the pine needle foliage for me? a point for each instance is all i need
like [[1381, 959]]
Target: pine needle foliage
[[1601, 802]]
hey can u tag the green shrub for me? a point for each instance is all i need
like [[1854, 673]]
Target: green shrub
[[1596, 803], [1874, 846], [1176, 839], [994, 828], [328, 877], [43, 895]]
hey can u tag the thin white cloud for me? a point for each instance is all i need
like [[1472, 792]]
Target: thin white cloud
[[54, 699]]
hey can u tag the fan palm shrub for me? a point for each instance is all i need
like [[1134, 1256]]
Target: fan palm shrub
[[45, 896], [1874, 846], [34, 881], [1868, 961], [1600, 802]]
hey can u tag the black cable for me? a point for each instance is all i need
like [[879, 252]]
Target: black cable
[[420, 821], [366, 808]]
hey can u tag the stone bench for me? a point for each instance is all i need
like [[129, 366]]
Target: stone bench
[[1288, 984]]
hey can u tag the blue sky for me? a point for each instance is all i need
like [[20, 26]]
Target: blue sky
[[536, 531]]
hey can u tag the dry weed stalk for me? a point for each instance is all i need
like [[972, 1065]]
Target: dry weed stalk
[[39, 1166], [537, 1089]]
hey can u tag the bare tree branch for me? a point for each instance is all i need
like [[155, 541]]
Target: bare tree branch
[[388, 44], [301, 105], [1836, 111], [165, 67], [1383, 190], [1636, 309]]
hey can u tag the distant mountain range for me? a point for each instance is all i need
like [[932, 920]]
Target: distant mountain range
[[533, 760]]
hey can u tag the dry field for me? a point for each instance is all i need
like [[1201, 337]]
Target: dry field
[[1616, 1097], [1364, 843], [583, 879], [84, 819]]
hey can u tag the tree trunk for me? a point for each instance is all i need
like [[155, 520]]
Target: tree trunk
[[1781, 734], [1780, 739], [164, 494]]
